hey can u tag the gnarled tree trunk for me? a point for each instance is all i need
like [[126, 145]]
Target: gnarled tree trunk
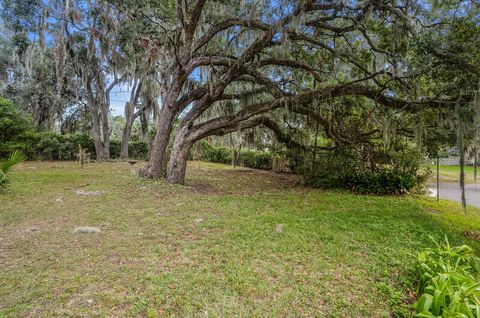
[[158, 154], [177, 165]]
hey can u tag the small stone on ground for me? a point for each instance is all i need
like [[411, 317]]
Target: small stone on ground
[[87, 230], [279, 228], [198, 221], [32, 229], [59, 200]]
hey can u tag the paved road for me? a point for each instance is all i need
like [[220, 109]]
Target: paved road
[[451, 191]]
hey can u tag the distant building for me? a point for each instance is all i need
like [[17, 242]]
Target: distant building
[[455, 161]]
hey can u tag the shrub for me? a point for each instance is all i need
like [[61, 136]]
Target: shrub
[[448, 282], [251, 159], [329, 169], [52, 146], [48, 146], [322, 179], [114, 149], [6, 166], [83, 140], [17, 133], [376, 172], [15, 130], [215, 154], [138, 150], [257, 159], [382, 182]]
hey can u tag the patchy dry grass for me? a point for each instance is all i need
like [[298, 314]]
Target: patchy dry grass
[[208, 249]]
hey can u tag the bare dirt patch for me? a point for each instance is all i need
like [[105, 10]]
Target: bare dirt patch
[[206, 188], [472, 234]]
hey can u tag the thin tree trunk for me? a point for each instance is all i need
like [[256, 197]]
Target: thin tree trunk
[[99, 148], [314, 162], [438, 178], [461, 148], [144, 127], [462, 173], [129, 118], [106, 128], [475, 164]]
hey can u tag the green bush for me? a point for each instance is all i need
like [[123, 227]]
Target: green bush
[[382, 182], [215, 154], [114, 149], [17, 133], [448, 282], [322, 179], [52, 146], [49, 146], [375, 172], [15, 130], [329, 169], [257, 159], [83, 140], [251, 159], [138, 150]]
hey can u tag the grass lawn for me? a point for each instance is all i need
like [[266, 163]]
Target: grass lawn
[[232, 243], [452, 173]]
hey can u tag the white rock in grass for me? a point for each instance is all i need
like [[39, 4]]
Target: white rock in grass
[[59, 200], [32, 229], [279, 228], [94, 193], [198, 221], [87, 230]]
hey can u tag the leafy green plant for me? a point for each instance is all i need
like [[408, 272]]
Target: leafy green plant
[[215, 154], [383, 182], [448, 282], [367, 172], [6, 166], [15, 130], [257, 159]]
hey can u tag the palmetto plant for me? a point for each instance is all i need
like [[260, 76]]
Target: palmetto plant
[[449, 282], [6, 166]]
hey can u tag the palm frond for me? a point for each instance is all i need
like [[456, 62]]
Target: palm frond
[[7, 164], [3, 180]]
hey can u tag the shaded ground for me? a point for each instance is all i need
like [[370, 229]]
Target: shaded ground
[[231, 243]]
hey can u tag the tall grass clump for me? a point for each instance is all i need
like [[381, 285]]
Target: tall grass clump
[[449, 282]]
